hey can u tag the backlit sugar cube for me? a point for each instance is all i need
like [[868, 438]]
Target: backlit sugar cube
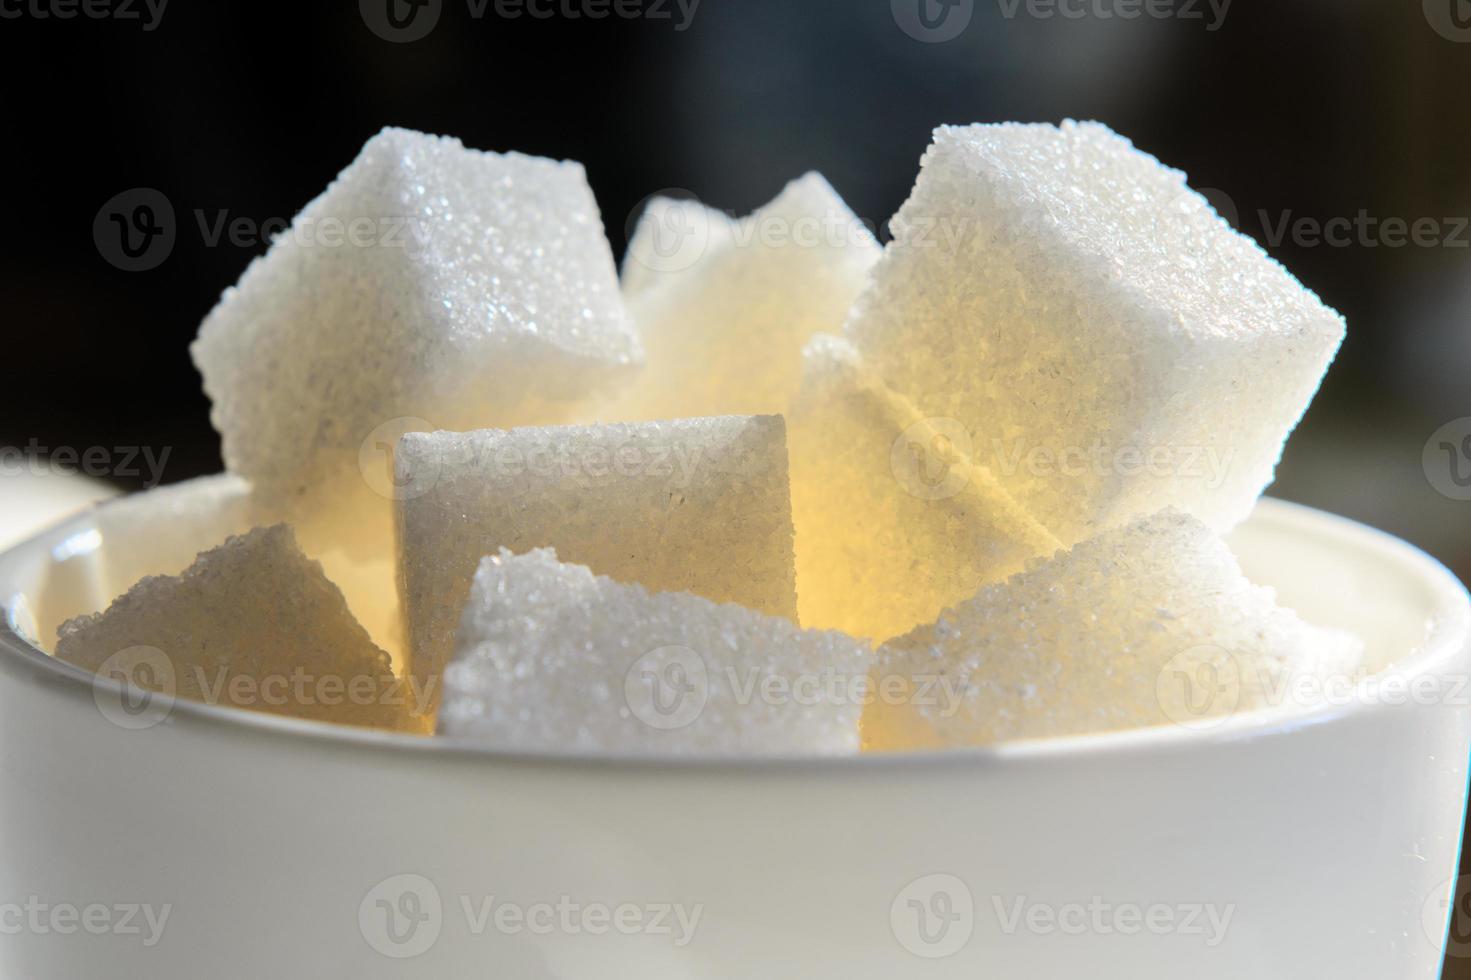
[[551, 656], [251, 624], [671, 236], [893, 523], [159, 532], [725, 307], [1148, 624], [696, 505], [370, 587], [430, 286], [162, 531], [1108, 342]]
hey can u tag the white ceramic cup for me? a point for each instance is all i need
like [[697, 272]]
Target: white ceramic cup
[[195, 841]]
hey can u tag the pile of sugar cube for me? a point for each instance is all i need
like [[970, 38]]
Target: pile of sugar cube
[[776, 489]]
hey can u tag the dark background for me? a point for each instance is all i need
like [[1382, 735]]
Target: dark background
[[1320, 109]]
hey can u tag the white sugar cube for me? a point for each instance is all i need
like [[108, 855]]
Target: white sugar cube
[[1148, 624], [429, 286], [1110, 345], [724, 307], [893, 523], [551, 656], [252, 624], [162, 531], [696, 505], [159, 532], [370, 587], [672, 236]]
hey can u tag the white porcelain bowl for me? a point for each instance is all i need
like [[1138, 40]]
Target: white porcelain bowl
[[1268, 846]]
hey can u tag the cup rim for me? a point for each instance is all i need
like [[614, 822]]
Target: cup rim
[[1449, 635]]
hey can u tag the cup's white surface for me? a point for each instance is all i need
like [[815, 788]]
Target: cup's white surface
[[33, 496], [1327, 843]]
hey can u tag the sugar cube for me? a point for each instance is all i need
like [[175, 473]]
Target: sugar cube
[[159, 532], [724, 307], [1108, 342], [1148, 624], [370, 586], [671, 236], [162, 531], [893, 523], [428, 286], [551, 656], [252, 624], [697, 505]]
